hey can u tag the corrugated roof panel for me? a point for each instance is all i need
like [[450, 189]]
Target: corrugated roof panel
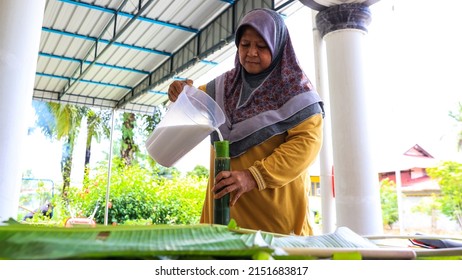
[[48, 83], [163, 87], [111, 92], [52, 9], [42, 64], [152, 98], [64, 46], [111, 4], [122, 57], [98, 91], [133, 6], [109, 76], [142, 60], [85, 21], [172, 40], [65, 16], [112, 82], [64, 68], [167, 11], [222, 54], [194, 13], [200, 70], [88, 89], [137, 29], [45, 96], [55, 67]]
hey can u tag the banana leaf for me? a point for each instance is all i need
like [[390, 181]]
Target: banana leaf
[[29, 242], [129, 242]]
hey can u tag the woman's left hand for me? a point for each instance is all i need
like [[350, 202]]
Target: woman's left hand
[[236, 183]]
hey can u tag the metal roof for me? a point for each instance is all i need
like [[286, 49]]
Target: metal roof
[[123, 54]]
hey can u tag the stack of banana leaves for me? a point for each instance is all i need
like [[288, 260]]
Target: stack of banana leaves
[[179, 242]]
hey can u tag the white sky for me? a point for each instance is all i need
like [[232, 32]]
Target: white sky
[[417, 63], [414, 67]]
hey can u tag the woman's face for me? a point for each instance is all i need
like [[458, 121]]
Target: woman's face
[[254, 54]]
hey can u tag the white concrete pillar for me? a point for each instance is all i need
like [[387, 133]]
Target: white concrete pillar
[[357, 195], [20, 30], [328, 216]]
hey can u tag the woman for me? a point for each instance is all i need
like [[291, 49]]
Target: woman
[[274, 126]]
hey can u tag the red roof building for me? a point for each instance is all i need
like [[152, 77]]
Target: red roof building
[[412, 166]]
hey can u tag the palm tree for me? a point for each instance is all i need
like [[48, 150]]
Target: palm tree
[[61, 122], [128, 148], [97, 126]]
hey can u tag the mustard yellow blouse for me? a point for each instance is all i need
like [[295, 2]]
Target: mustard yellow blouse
[[280, 167]]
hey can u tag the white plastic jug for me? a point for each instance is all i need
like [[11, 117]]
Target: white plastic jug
[[188, 121]]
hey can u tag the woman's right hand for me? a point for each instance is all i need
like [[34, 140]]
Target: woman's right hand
[[236, 183], [176, 88]]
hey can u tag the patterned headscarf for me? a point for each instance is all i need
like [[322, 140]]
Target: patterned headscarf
[[259, 106]]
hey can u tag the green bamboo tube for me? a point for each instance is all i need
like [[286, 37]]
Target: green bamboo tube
[[221, 214]]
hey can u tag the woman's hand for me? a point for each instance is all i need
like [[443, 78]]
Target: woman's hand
[[236, 183], [176, 88]]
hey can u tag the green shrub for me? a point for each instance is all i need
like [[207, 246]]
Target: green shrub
[[389, 202], [449, 177], [138, 195]]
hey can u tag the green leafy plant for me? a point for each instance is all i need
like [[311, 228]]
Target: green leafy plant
[[140, 195], [389, 202], [449, 176], [199, 171]]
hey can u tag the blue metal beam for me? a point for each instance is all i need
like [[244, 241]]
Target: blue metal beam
[[93, 39], [114, 12], [209, 62], [96, 63], [81, 80], [157, 92]]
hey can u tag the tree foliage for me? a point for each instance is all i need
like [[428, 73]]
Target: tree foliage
[[128, 146], [61, 122], [150, 122], [449, 177], [97, 128], [140, 194], [389, 202], [199, 171]]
